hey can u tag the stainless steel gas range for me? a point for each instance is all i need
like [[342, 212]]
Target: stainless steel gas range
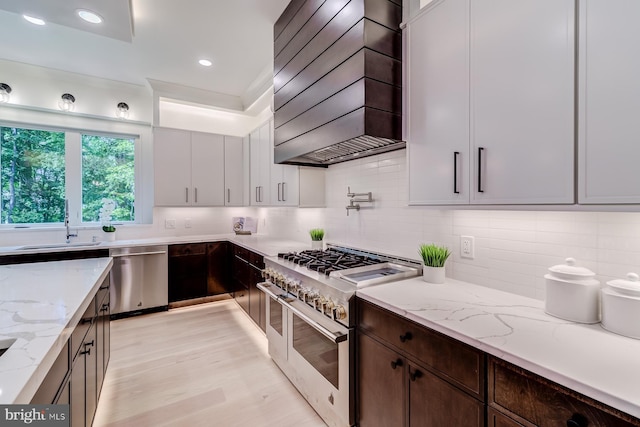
[[311, 319]]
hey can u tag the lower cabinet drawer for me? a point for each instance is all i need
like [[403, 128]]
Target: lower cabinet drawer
[[462, 364], [532, 400]]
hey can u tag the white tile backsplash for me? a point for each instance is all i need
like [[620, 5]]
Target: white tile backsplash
[[513, 249]]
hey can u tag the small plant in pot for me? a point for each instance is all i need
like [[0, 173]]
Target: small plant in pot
[[434, 258], [106, 210], [317, 235]]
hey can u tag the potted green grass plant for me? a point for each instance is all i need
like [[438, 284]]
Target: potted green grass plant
[[433, 258], [108, 206], [317, 235]]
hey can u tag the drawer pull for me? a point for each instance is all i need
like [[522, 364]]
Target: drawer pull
[[396, 363], [87, 352], [577, 420], [406, 337], [89, 344], [415, 375]]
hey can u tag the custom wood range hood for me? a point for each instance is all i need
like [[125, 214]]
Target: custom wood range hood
[[337, 80]]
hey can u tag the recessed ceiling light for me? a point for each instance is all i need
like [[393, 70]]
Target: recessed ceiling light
[[89, 16], [34, 20], [205, 62]]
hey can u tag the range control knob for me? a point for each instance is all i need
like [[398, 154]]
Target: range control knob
[[293, 285], [340, 313], [328, 307], [319, 302], [302, 293]]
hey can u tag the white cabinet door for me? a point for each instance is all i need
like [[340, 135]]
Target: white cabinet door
[[609, 102], [172, 167], [233, 171], [260, 142], [522, 101], [438, 104], [207, 169]]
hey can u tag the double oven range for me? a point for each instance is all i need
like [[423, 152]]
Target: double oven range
[[311, 320]]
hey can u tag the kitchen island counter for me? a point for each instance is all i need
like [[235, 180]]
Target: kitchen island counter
[[584, 358], [40, 305]]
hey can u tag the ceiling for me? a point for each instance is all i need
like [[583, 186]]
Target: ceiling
[[152, 42]]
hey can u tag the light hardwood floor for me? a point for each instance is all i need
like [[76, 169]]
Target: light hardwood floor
[[205, 365]]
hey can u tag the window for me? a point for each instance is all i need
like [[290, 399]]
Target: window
[[32, 176], [39, 169], [107, 172]]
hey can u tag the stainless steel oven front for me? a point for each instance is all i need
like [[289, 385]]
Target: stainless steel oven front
[[314, 352]]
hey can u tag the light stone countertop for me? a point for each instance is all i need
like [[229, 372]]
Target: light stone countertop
[[40, 305], [585, 358], [262, 244]]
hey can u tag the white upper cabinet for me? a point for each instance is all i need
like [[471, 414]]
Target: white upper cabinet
[[284, 179], [260, 149], [207, 169], [438, 104], [172, 167], [490, 102], [609, 102], [233, 171], [189, 168], [522, 101]]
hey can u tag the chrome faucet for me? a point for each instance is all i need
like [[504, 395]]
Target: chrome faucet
[[66, 221], [354, 202]]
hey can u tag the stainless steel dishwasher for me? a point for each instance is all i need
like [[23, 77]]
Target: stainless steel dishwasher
[[139, 279]]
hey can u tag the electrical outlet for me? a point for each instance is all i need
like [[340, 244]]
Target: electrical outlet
[[187, 223], [169, 223], [467, 247]]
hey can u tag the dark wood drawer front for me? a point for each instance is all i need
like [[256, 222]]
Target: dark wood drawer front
[[460, 363], [81, 329], [498, 419], [241, 252], [188, 249], [256, 260], [527, 397]]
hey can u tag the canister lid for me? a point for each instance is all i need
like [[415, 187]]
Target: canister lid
[[569, 271], [630, 286]]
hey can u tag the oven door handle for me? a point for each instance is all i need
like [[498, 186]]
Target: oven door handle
[[336, 337]]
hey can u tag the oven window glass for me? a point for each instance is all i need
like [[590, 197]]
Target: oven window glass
[[275, 315], [318, 350]]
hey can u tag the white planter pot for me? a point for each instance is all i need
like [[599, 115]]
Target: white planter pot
[[433, 274], [317, 244], [109, 236]]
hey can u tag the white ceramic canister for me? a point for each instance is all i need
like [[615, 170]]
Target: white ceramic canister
[[572, 293], [621, 306]]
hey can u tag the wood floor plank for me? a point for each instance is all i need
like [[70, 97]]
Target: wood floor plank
[[204, 365]]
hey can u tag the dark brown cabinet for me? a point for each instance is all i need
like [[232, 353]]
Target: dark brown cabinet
[[198, 270], [409, 375], [247, 273], [519, 397], [187, 271], [77, 375]]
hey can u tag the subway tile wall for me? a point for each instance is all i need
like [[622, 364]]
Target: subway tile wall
[[513, 249]]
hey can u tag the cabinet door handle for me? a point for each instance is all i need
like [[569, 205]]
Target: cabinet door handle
[[396, 363], [284, 199], [228, 195], [87, 352], [480, 189], [455, 172], [186, 194], [89, 344], [195, 191], [577, 420], [406, 337], [415, 375], [256, 194], [261, 194], [279, 185]]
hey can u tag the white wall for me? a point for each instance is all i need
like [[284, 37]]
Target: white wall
[[513, 248]]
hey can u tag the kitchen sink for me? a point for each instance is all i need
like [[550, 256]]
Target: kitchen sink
[[58, 245], [5, 344]]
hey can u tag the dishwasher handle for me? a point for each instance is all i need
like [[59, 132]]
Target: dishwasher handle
[[138, 254]]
